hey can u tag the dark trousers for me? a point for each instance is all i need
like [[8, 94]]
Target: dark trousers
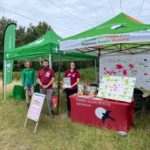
[[68, 93]]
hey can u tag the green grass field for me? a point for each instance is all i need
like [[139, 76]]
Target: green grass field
[[59, 133]]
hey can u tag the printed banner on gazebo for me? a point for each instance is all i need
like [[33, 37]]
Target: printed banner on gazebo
[[132, 66], [105, 39]]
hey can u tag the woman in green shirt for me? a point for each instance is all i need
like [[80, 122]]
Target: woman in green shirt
[[28, 80]]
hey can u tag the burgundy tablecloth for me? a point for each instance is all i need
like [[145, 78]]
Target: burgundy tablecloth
[[102, 113]]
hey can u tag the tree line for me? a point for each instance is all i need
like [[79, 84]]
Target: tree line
[[24, 35], [28, 34]]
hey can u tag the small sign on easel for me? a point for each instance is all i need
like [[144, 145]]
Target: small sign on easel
[[35, 108]]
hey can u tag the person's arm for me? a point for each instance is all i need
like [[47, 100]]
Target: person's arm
[[62, 82], [51, 82], [34, 77], [39, 81], [76, 83], [78, 79], [23, 78], [65, 74]]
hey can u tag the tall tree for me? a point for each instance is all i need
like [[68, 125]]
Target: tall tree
[[34, 32], [23, 35], [20, 36]]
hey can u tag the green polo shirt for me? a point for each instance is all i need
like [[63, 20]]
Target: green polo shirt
[[28, 76]]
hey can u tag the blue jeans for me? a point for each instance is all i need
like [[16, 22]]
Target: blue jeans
[[28, 86]]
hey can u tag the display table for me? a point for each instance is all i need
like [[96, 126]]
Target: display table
[[18, 91], [102, 113]]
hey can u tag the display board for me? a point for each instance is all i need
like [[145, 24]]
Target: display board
[[117, 88], [66, 82], [36, 106], [130, 65]]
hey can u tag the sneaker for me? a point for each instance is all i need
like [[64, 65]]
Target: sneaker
[[52, 112]]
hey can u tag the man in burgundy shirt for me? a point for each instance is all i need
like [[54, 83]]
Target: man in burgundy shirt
[[74, 76], [46, 78]]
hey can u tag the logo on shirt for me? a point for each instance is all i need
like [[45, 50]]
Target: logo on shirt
[[48, 74], [69, 75], [72, 75], [8, 67]]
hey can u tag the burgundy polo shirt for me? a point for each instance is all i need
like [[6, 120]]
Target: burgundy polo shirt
[[46, 76], [73, 76]]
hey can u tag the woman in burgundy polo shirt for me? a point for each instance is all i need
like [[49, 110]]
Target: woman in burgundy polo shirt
[[74, 78]]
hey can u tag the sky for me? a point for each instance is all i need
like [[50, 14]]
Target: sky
[[69, 17]]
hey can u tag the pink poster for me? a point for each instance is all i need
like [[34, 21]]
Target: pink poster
[[128, 66]]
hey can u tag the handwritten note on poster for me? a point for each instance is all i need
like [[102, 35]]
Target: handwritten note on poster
[[117, 88]]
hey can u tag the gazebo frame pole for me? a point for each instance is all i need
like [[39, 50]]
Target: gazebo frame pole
[[99, 55], [59, 71], [4, 78], [50, 60], [95, 69]]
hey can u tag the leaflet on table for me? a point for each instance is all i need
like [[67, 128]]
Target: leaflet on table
[[80, 89], [66, 82], [85, 96]]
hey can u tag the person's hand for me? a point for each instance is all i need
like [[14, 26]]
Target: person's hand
[[44, 86], [71, 86], [62, 87]]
